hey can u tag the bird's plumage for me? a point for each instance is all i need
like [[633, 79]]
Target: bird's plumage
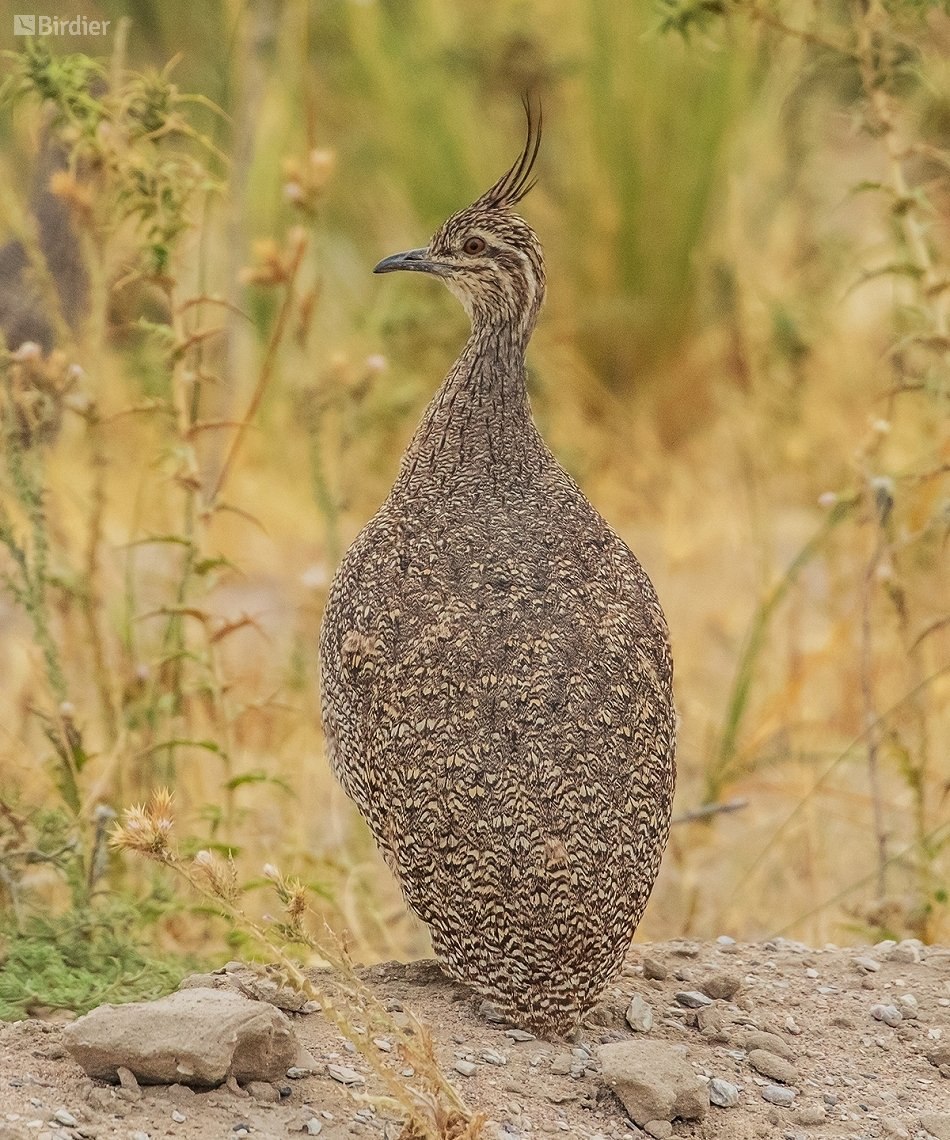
[[496, 675]]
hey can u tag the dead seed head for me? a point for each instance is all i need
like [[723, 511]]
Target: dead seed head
[[146, 828]]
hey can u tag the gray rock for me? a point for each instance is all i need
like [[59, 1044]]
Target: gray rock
[[562, 1064], [769, 1065], [313, 1127], [493, 1057], [867, 964], [723, 1094], [345, 1075], [936, 1123], [519, 1035], [65, 1117], [908, 1006], [778, 1094], [889, 1014], [721, 985], [907, 952], [693, 999], [659, 1129], [196, 1037], [653, 1081], [639, 1015], [466, 1068]]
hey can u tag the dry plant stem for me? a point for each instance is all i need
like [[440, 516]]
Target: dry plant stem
[[770, 19], [872, 722], [933, 286], [268, 365], [91, 595]]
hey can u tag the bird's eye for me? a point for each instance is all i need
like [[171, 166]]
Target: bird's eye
[[474, 245]]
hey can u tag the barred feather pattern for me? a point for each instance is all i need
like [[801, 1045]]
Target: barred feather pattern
[[496, 674]]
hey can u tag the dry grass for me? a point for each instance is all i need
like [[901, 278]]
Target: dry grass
[[768, 430]]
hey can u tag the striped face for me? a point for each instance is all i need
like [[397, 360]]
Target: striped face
[[491, 259], [489, 256]]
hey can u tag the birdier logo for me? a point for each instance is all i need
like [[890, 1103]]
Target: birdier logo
[[58, 26]]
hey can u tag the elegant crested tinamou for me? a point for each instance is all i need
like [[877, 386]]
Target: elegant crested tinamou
[[496, 672]]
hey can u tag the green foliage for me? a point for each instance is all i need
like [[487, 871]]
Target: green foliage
[[81, 959]]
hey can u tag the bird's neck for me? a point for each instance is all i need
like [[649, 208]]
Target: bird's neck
[[477, 430]]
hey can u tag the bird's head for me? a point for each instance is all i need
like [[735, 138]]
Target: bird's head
[[488, 255]]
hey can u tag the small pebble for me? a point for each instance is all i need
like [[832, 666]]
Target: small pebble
[[655, 970], [313, 1127], [907, 951], [346, 1075], [770, 1065], [298, 1072], [811, 1114], [692, 999], [466, 1068], [65, 1117], [908, 1007], [889, 1014], [639, 1015], [868, 965], [383, 1044], [659, 1129], [723, 1094], [178, 1117], [263, 1091], [723, 986], [491, 1057], [778, 1094], [519, 1035], [562, 1064]]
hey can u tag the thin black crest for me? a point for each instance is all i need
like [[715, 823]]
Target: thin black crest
[[516, 182]]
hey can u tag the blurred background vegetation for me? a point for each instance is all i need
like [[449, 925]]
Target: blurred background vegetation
[[744, 359]]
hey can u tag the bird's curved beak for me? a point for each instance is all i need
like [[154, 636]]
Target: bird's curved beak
[[414, 259]]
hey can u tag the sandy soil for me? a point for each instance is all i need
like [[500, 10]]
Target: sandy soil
[[857, 1076]]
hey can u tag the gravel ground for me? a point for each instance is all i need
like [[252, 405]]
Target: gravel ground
[[793, 1042]]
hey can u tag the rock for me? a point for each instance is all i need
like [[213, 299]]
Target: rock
[[722, 986], [889, 1014], [907, 951], [562, 1064], [653, 1081], [196, 1036], [778, 1094], [660, 1129], [867, 964], [692, 999], [909, 1008], [263, 1091], [936, 1123], [654, 969], [345, 1075], [770, 1042], [493, 1057], [769, 1065], [813, 1113], [466, 1068], [709, 1022], [520, 1035], [312, 1127], [894, 1127], [639, 1015], [939, 1056], [723, 1094], [65, 1117]]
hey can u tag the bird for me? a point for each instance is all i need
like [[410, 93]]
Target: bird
[[496, 674]]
